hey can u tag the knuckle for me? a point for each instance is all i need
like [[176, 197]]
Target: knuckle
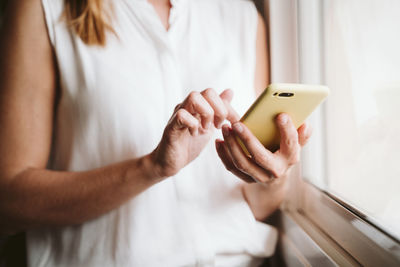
[[294, 135], [241, 166], [180, 114], [260, 158], [193, 96], [292, 141], [278, 172], [209, 92]]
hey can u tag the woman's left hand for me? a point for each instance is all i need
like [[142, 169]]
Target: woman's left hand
[[269, 169], [263, 166]]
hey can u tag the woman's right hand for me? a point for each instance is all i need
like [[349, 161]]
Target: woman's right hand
[[190, 129]]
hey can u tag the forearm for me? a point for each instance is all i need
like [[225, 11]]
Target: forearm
[[264, 199], [40, 197]]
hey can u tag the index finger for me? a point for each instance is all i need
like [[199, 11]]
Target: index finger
[[216, 102], [262, 156], [232, 114], [226, 97]]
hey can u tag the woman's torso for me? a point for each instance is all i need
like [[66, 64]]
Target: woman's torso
[[115, 102]]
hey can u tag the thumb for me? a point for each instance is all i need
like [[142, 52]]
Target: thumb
[[227, 96]]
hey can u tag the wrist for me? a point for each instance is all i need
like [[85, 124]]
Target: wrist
[[154, 170], [264, 199]]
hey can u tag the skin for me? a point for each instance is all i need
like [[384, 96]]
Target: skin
[[162, 8], [270, 170], [265, 173], [32, 196]]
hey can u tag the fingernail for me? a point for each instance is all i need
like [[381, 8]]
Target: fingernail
[[225, 131], [208, 125], [284, 119], [237, 127]]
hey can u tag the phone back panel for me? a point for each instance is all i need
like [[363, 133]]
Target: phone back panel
[[260, 118]]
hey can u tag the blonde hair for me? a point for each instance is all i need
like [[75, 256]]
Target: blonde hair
[[88, 20]]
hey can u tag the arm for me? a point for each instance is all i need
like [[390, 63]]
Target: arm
[[30, 195], [263, 200], [261, 79], [270, 170]]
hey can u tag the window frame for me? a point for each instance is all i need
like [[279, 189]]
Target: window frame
[[347, 237]]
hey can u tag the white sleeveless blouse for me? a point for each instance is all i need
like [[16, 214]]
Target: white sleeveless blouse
[[115, 103]]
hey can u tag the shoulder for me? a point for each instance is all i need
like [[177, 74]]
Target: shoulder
[[33, 17], [24, 45], [24, 22], [20, 10]]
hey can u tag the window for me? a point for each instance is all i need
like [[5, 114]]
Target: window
[[352, 163], [361, 64]]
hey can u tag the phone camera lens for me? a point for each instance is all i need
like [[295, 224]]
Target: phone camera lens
[[286, 94]]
